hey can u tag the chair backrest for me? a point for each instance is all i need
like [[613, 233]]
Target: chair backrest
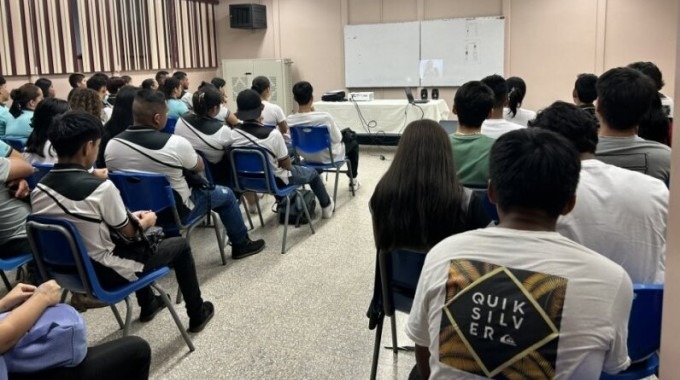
[[60, 254], [399, 274], [143, 191], [170, 125], [42, 169], [489, 207], [252, 171], [644, 325], [206, 164], [311, 139], [15, 142]]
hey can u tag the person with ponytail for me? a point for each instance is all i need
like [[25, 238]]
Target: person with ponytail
[[38, 147], [24, 101], [225, 116], [272, 114], [172, 88], [517, 89]]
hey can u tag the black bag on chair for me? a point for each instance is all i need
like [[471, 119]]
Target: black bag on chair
[[296, 214]]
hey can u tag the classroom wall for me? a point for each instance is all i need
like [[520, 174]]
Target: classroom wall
[[548, 42]]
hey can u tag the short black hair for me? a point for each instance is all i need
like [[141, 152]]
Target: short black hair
[[96, 82], [623, 96], [161, 74], [261, 84], [2, 80], [179, 75], [218, 82], [473, 102], [206, 98], [169, 85], [114, 84], [74, 78], [585, 87], [575, 124], [534, 169], [651, 70], [147, 103], [44, 85], [147, 83], [499, 87], [71, 130], [302, 92]]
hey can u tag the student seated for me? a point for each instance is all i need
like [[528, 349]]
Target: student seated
[[172, 89], [128, 357], [113, 85], [160, 77], [225, 116], [253, 133], [24, 101], [120, 120], [653, 72], [517, 89], [143, 148], [76, 80], [97, 83], [521, 300], [96, 209], [185, 96], [13, 210], [495, 125], [5, 116], [38, 147], [627, 226], [272, 114], [88, 100], [585, 92], [46, 86], [472, 104], [150, 84], [624, 96], [342, 146]]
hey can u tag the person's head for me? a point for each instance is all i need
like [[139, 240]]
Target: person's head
[[172, 88], [4, 93], [585, 91], [150, 84], [472, 103], [126, 79], [183, 79], [249, 104], [418, 201], [500, 90], [121, 117], [533, 172], [517, 89], [221, 87], [75, 136], [97, 83], [654, 124], [149, 109], [576, 125], [651, 70], [160, 77], [623, 97], [262, 85], [303, 93], [114, 84], [207, 100], [86, 99], [76, 80], [46, 87], [44, 115], [24, 98]]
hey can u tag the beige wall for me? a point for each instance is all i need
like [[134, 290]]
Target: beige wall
[[548, 42]]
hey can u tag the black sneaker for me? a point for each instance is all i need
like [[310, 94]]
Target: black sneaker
[[196, 324], [249, 248], [149, 312]]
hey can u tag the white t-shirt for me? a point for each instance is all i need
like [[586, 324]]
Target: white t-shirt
[[223, 114], [272, 114], [522, 117], [315, 119], [205, 135], [495, 128], [188, 99], [622, 215], [515, 299], [667, 104], [274, 143], [49, 155]]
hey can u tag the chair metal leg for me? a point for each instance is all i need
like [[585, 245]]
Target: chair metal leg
[[376, 348], [175, 317], [335, 191], [128, 316], [244, 202], [218, 234], [285, 224], [117, 315], [395, 345], [5, 280], [259, 211]]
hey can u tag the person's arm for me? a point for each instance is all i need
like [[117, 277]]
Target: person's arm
[[283, 126], [423, 361], [336, 134], [18, 167], [21, 319], [232, 119], [285, 163], [146, 220], [281, 151], [616, 359], [188, 157]]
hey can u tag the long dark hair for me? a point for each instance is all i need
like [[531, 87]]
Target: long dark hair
[[169, 86], [44, 85], [21, 96], [517, 89], [418, 202], [43, 116], [121, 118]]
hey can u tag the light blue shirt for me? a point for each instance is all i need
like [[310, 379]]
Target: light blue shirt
[[5, 149], [5, 117], [21, 126], [176, 108]]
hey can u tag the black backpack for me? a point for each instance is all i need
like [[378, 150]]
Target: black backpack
[[296, 215]]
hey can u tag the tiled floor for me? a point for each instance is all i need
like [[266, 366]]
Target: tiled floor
[[295, 316]]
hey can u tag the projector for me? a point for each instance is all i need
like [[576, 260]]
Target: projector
[[361, 96]]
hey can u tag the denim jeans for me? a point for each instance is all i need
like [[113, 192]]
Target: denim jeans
[[301, 175], [223, 201]]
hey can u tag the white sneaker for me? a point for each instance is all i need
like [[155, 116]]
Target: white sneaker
[[354, 184], [327, 212]]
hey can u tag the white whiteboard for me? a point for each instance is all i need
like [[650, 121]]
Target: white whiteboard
[[461, 50], [382, 55]]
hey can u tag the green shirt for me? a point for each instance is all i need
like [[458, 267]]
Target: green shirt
[[471, 157]]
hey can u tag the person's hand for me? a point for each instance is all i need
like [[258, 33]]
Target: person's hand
[[146, 218], [19, 188], [50, 291], [101, 173], [18, 294]]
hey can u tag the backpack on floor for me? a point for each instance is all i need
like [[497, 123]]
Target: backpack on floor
[[296, 214]]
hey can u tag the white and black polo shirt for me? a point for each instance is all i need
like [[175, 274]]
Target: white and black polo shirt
[[142, 148], [206, 134], [93, 205]]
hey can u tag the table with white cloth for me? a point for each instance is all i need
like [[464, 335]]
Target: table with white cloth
[[390, 116]]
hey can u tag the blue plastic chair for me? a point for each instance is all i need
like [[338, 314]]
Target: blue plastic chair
[[17, 143], [170, 125], [644, 333], [252, 172], [12, 263], [314, 140], [489, 207], [60, 254], [41, 168], [396, 279]]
